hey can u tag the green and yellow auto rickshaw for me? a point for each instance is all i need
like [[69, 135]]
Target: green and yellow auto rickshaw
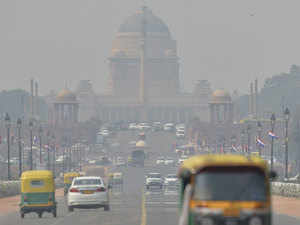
[[225, 189], [68, 178], [37, 192]]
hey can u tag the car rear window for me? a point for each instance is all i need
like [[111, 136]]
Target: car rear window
[[87, 182]]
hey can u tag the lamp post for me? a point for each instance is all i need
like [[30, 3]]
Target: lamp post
[[54, 152], [273, 120], [7, 124], [19, 125], [287, 118], [249, 139], [40, 138], [242, 140], [31, 158], [259, 129], [48, 150]]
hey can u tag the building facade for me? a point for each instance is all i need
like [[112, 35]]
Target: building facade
[[144, 76]]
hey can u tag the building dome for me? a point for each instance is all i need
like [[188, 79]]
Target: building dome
[[220, 96], [135, 23], [66, 95]]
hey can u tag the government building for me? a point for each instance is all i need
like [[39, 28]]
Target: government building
[[144, 83], [144, 76]]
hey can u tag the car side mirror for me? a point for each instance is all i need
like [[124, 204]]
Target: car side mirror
[[272, 175]]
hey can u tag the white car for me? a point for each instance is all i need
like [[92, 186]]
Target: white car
[[169, 161], [169, 127], [154, 179], [104, 133], [180, 126], [160, 161], [171, 179], [144, 126], [88, 192], [132, 126], [120, 161], [181, 160], [180, 134]]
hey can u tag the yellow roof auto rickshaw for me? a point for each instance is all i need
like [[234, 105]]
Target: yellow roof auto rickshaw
[[37, 192], [68, 178], [225, 189]]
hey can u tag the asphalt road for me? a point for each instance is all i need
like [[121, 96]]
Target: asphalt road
[[130, 206]]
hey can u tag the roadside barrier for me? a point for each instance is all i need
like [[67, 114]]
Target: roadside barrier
[[286, 189]]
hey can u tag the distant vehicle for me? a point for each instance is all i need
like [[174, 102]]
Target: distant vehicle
[[169, 161], [104, 133], [169, 127], [160, 161], [144, 126], [132, 126], [180, 126], [157, 126], [120, 161], [172, 190], [171, 179], [180, 133], [88, 192], [154, 179], [180, 161], [137, 158]]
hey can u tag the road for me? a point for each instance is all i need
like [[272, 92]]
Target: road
[[132, 206]]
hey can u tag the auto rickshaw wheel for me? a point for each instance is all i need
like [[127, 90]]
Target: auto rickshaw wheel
[[40, 214], [70, 209]]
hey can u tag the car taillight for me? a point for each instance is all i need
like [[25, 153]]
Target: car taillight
[[101, 189], [74, 190]]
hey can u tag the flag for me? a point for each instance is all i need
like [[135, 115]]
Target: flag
[[35, 140], [234, 148], [260, 142], [272, 135]]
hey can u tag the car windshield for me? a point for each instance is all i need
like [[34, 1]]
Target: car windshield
[[154, 175], [230, 184], [87, 182]]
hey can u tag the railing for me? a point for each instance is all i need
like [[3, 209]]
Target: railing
[[286, 189]]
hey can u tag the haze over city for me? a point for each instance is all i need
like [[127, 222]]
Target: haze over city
[[227, 42]]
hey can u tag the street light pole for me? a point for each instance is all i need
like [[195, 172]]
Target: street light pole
[[249, 139], [40, 137], [273, 119], [19, 125], [48, 150], [54, 152], [259, 125], [287, 118], [31, 158], [7, 123], [242, 140]]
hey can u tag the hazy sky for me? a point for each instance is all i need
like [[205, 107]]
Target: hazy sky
[[227, 42]]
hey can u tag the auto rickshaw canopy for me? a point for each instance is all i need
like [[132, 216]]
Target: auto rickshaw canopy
[[194, 164], [37, 181], [68, 177]]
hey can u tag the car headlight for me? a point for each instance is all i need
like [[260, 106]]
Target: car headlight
[[207, 221], [255, 221]]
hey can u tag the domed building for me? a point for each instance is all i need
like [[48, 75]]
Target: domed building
[[144, 76], [65, 108], [221, 107]]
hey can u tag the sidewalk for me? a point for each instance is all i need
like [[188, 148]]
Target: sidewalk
[[11, 204], [286, 206]]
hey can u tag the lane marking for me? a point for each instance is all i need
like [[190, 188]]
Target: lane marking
[[144, 211]]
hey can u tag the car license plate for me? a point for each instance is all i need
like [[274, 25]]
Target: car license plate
[[231, 222], [87, 192]]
